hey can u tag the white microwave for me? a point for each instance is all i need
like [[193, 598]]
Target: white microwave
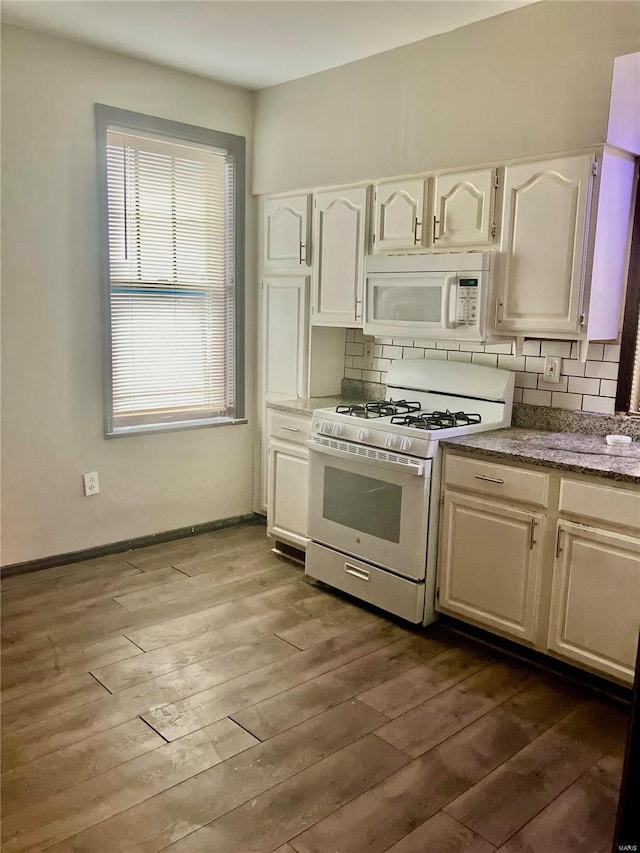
[[439, 296]]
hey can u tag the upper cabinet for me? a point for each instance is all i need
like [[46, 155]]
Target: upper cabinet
[[340, 241], [544, 223], [463, 209], [399, 208], [286, 227], [564, 242]]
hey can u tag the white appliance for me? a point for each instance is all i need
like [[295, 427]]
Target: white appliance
[[374, 480], [441, 296]]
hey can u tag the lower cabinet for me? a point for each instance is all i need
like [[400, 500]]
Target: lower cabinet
[[490, 568], [288, 476], [575, 596], [595, 598]]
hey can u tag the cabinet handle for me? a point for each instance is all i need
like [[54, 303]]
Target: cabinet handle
[[362, 574], [532, 533], [416, 222], [302, 246], [436, 223], [558, 541], [358, 309], [497, 319], [290, 429], [490, 479]]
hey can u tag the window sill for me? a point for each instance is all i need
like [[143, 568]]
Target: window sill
[[174, 426]]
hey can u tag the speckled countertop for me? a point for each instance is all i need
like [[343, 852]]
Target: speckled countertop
[[306, 405], [568, 451]]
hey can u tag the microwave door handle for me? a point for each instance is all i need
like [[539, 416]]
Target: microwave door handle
[[447, 321]]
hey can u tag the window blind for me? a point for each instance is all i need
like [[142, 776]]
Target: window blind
[[634, 405], [171, 275]]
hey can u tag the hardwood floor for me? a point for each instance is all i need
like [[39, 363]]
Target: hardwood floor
[[202, 695]]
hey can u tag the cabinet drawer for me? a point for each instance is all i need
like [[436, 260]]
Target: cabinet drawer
[[500, 481], [289, 427], [368, 583], [615, 506]]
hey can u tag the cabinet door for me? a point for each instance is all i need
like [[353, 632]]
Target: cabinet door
[[489, 564], [286, 232], [285, 336], [544, 225], [288, 492], [340, 225], [595, 606], [463, 209], [399, 215]]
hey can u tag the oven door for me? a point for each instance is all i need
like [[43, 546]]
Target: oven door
[[370, 504]]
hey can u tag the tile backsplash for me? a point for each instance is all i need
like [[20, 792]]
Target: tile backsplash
[[584, 386]]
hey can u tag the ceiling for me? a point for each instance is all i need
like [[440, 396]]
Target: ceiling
[[250, 43]]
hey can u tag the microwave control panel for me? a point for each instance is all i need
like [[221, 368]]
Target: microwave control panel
[[467, 302]]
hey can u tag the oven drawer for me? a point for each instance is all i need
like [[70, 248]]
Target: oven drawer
[[499, 481], [289, 427], [366, 582]]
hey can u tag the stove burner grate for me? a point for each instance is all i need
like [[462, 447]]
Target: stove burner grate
[[437, 420], [379, 408]]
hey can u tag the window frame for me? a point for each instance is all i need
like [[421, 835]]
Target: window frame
[[630, 340], [106, 117]]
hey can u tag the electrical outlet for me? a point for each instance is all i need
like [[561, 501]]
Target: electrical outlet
[[91, 483], [552, 365], [368, 351]]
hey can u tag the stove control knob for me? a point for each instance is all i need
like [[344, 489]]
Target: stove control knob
[[390, 441], [322, 426], [337, 429], [405, 444], [363, 434]]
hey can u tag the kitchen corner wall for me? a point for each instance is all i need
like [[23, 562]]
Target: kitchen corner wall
[[587, 387], [52, 403]]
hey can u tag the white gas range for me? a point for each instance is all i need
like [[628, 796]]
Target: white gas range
[[374, 480]]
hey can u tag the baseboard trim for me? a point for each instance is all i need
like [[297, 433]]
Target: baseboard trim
[[127, 545]]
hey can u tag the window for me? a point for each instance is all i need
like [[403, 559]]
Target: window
[[173, 206], [628, 393]]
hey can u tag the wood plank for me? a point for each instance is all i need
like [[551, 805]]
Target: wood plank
[[183, 585], [187, 715], [60, 662], [79, 723], [116, 580], [280, 712], [290, 807], [387, 813], [502, 803], [55, 696], [344, 618], [100, 613], [580, 820], [94, 800], [236, 556], [413, 687], [187, 610], [429, 724], [182, 550], [30, 783], [198, 648], [173, 814], [442, 834], [74, 572]]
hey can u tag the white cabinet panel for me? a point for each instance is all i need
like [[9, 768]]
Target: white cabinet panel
[[286, 231], [463, 209], [544, 226], [285, 336], [490, 563], [340, 229], [288, 492], [399, 215], [595, 607]]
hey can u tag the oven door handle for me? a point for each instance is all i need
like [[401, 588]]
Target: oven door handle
[[371, 456]]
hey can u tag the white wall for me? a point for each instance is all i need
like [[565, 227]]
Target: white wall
[[529, 82], [52, 380]]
